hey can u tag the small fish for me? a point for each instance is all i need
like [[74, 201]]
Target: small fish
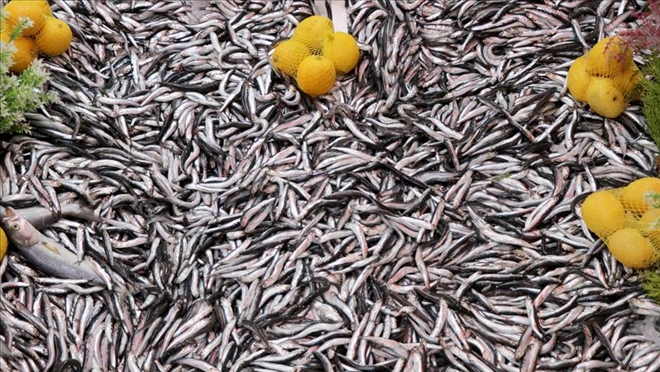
[[40, 217], [45, 253]]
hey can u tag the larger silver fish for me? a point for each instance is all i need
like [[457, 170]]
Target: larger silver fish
[[40, 217], [45, 253]]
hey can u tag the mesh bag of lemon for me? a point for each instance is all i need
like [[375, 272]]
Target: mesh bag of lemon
[[627, 219], [315, 54], [606, 77], [44, 34]]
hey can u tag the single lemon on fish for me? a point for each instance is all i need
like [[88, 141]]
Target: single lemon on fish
[[343, 50], [54, 38], [627, 81], [316, 75], [3, 244], [631, 248], [287, 55], [578, 79], [609, 57], [314, 31], [26, 52], [35, 10], [604, 98], [641, 195], [603, 213]]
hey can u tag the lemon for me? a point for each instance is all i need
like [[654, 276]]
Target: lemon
[[629, 247], [35, 10], [26, 52], [627, 82], [641, 195], [608, 57], [649, 224], [316, 75], [603, 213], [578, 79], [36, 3], [313, 31], [3, 244], [288, 55], [343, 50], [604, 98], [54, 38]]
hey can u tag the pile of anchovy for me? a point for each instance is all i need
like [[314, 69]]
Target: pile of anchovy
[[423, 216]]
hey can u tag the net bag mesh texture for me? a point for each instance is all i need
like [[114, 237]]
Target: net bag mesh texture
[[612, 60], [627, 220], [314, 33]]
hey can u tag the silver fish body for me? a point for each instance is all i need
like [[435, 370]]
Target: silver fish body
[[40, 217], [45, 253]]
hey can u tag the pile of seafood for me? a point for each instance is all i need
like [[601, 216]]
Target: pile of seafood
[[421, 216]]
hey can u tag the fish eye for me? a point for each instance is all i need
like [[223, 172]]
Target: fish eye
[[15, 226]]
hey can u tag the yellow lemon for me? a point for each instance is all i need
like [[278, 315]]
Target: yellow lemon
[[609, 57], [641, 195], [287, 55], [578, 79], [3, 244], [649, 224], [603, 213], [36, 3], [313, 31], [629, 247], [316, 75], [26, 52], [35, 10], [343, 50], [627, 81], [604, 98], [54, 38]]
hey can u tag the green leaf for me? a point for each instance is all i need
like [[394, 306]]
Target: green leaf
[[651, 96], [651, 284]]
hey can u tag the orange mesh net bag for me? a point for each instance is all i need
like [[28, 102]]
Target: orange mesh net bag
[[628, 221]]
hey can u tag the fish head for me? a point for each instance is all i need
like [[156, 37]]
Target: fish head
[[19, 230]]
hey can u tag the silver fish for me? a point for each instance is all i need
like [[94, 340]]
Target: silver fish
[[40, 217], [45, 253]]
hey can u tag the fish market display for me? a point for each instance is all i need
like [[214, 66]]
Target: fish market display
[[423, 215]]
